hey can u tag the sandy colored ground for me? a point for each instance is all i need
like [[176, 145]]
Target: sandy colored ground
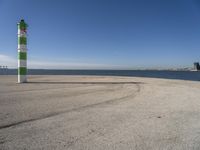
[[99, 113]]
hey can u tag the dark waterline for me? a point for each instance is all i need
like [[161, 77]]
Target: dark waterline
[[181, 75]]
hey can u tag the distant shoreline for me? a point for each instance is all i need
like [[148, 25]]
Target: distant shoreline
[[166, 74]]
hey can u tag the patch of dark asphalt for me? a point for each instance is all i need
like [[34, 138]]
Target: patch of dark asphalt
[[107, 102]]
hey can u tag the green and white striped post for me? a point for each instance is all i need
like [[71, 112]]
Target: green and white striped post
[[22, 52]]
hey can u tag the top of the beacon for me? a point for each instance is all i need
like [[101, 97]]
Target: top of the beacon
[[22, 24]]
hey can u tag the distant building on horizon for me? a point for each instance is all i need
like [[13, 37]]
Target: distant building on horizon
[[196, 66]]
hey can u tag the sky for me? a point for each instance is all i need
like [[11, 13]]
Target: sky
[[102, 34]]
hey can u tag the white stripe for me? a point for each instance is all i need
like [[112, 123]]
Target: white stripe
[[22, 63], [22, 78], [21, 32], [22, 46], [21, 35], [22, 50]]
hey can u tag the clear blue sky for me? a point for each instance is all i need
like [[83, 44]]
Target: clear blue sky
[[122, 34]]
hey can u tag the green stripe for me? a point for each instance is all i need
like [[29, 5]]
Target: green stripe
[[22, 40], [22, 25], [22, 55], [22, 70]]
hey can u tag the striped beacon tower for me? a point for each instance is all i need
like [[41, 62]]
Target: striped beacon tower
[[22, 52]]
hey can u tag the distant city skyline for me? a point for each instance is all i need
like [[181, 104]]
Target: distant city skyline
[[103, 34]]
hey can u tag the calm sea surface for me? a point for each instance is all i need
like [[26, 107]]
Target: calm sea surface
[[182, 75]]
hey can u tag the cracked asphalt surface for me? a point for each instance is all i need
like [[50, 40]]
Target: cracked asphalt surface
[[99, 112]]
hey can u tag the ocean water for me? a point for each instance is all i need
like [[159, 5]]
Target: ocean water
[[182, 75]]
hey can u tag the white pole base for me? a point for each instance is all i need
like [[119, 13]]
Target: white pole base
[[22, 79]]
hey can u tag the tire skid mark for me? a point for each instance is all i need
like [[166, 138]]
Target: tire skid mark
[[61, 83], [42, 89], [107, 102], [83, 92]]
